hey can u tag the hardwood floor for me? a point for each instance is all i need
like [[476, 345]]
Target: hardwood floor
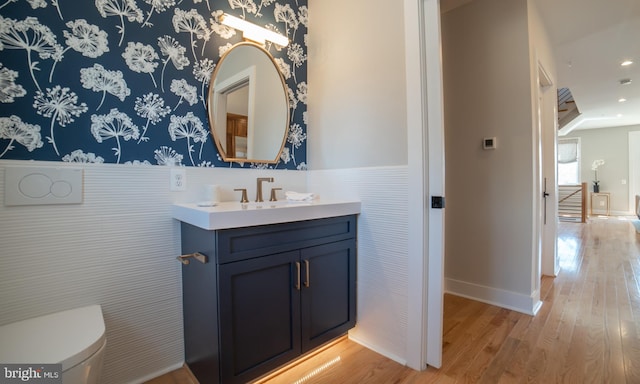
[[587, 330]]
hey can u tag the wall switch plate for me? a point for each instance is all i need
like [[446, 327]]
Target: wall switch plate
[[624, 181], [178, 179]]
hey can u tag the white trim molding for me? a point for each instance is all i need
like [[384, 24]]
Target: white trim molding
[[499, 297]]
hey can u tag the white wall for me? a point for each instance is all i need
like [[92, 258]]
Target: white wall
[[116, 249], [357, 113], [610, 145], [382, 251], [357, 147], [487, 88]]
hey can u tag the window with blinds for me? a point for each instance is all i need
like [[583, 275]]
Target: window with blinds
[[569, 161]]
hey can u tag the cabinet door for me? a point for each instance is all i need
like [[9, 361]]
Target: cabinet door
[[328, 292], [259, 315]]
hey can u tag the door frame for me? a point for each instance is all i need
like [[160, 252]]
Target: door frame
[[634, 169], [425, 131], [425, 122], [547, 120]]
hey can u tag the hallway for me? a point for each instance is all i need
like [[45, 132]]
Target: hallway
[[587, 330]]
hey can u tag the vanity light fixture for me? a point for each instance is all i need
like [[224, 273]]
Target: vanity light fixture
[[626, 63], [253, 32]]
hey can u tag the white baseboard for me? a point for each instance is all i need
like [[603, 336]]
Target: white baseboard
[[506, 299], [622, 213], [612, 214]]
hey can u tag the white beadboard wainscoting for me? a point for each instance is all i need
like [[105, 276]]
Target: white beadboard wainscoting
[[382, 251], [117, 249]]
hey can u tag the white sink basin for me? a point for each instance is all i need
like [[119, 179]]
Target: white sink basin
[[236, 215]]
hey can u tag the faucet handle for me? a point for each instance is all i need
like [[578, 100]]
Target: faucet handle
[[273, 194], [244, 198]]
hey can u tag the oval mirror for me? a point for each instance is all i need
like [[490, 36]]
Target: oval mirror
[[248, 105]]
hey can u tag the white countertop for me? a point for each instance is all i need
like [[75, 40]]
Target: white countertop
[[236, 215]]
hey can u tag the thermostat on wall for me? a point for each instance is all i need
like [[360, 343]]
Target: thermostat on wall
[[489, 143]]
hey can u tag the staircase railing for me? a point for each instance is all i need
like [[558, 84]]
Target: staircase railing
[[572, 202]]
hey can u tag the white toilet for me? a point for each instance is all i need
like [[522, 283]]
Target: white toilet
[[75, 338]]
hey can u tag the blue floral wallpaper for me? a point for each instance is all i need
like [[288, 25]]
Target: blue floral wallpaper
[[125, 81]]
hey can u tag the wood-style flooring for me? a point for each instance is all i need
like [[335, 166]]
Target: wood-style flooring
[[587, 330]]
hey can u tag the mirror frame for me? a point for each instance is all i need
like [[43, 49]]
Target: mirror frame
[[211, 107]]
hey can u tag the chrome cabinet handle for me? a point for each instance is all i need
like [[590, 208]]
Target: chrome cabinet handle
[[298, 275], [184, 259], [307, 282]]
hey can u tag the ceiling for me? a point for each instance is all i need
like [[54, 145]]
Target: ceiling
[[590, 39]]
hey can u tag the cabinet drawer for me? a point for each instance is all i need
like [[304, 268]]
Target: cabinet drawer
[[246, 243]]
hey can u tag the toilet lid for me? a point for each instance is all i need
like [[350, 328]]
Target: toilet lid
[[68, 337]]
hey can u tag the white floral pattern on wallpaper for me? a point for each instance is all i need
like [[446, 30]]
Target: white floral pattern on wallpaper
[[125, 81]]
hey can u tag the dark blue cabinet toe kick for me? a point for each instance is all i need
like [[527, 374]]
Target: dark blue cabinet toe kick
[[267, 295]]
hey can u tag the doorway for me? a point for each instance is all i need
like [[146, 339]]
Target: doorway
[[634, 169], [547, 101], [429, 144]]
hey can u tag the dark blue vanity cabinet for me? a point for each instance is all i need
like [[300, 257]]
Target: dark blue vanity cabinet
[[267, 295]]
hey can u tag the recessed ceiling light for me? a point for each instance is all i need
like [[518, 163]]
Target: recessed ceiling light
[[625, 81], [626, 63], [622, 100], [619, 115]]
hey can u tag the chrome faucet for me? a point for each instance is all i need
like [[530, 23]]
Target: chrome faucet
[[259, 187]]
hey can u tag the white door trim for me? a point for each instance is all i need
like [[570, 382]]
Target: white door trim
[[436, 177], [634, 169], [417, 237], [547, 115], [426, 178]]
